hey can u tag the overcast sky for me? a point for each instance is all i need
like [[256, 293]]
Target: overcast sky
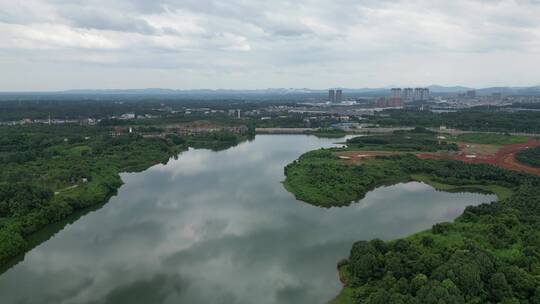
[[246, 44]]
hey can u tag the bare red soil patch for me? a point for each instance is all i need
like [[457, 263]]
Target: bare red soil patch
[[504, 157]]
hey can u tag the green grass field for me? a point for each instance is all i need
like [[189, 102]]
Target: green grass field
[[491, 138], [501, 192]]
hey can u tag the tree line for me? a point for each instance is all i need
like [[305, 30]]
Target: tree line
[[479, 119]]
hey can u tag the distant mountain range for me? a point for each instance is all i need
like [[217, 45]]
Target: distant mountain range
[[533, 90]]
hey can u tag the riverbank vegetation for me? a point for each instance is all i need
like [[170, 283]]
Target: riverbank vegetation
[[490, 254], [328, 133], [502, 192], [49, 172]]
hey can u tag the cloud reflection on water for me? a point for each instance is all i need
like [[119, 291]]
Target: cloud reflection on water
[[218, 227]]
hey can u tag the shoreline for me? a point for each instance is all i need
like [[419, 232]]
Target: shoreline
[[39, 236], [36, 238], [504, 185]]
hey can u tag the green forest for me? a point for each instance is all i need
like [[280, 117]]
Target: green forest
[[490, 254], [530, 157], [478, 119], [49, 172]]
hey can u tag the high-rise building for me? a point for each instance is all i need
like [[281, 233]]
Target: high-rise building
[[471, 93], [408, 94], [339, 96], [417, 94], [396, 93], [425, 94], [421, 94], [332, 95]]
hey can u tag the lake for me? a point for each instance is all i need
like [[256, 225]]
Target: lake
[[218, 227]]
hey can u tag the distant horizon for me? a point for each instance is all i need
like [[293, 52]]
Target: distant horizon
[[264, 89]]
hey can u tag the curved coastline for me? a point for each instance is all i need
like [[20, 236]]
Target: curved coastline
[[94, 195], [316, 171]]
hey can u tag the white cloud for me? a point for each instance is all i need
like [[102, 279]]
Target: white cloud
[[47, 36], [305, 43]]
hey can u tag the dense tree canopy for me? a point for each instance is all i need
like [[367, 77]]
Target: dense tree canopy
[[490, 254], [530, 157], [480, 119]]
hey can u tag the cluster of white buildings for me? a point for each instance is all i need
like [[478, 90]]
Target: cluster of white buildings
[[410, 94]]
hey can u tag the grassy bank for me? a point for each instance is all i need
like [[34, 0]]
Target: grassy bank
[[346, 293], [501, 192], [328, 133]]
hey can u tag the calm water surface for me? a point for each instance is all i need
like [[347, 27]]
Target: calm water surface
[[218, 227]]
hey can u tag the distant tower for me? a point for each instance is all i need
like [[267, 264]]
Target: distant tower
[[238, 113], [421, 94], [408, 94], [426, 94], [417, 94], [339, 96], [332, 95], [396, 93]]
